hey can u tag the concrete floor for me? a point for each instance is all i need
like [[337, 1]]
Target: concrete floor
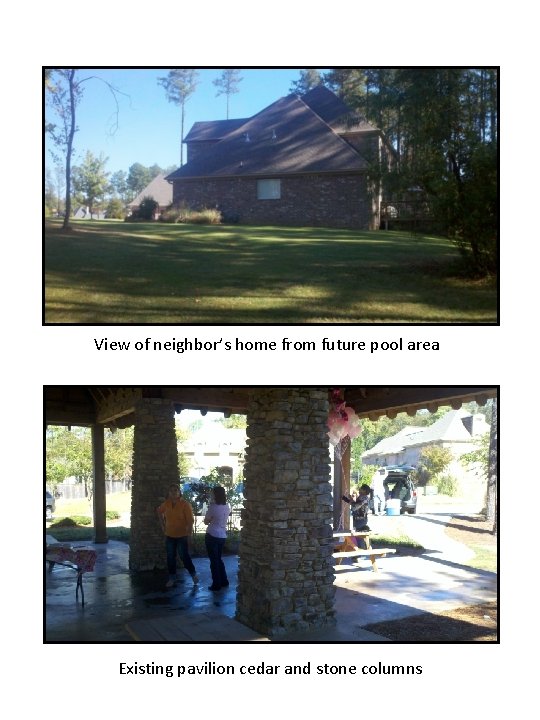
[[114, 598]]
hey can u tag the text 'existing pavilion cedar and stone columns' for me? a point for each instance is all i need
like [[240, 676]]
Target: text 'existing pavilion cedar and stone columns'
[[285, 575]]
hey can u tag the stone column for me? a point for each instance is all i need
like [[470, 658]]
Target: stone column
[[99, 499], [285, 576], [155, 467]]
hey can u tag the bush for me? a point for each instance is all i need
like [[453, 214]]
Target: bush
[[112, 514], [115, 209], [432, 462], [146, 210], [446, 484], [206, 216], [72, 521], [170, 214], [182, 214]]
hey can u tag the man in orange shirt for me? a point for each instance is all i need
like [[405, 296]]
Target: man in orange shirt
[[176, 518]]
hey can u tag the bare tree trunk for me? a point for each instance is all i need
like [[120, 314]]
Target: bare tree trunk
[[69, 150], [493, 470], [182, 136]]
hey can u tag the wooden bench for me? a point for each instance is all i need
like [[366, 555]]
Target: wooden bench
[[371, 553]]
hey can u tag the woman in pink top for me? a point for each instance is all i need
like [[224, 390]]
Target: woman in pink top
[[216, 533]]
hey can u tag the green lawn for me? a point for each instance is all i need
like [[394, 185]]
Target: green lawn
[[130, 273]]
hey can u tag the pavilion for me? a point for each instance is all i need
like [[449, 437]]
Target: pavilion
[[285, 575]]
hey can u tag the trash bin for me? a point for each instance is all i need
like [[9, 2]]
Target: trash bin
[[393, 507]]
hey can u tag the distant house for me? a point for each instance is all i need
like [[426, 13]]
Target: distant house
[[215, 446], [301, 161], [456, 431], [83, 213], [160, 190]]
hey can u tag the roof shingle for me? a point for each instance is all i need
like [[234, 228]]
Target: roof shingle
[[159, 189], [286, 137]]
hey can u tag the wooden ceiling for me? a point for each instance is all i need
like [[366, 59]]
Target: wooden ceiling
[[113, 406]]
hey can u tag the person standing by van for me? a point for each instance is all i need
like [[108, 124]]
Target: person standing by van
[[378, 490]]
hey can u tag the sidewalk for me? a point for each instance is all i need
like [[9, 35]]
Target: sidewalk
[[116, 600]]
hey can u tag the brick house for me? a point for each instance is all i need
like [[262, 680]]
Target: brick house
[[302, 161]]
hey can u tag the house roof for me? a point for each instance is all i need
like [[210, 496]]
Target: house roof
[[159, 189], [448, 428], [395, 444], [212, 129], [359, 125], [287, 137], [327, 105]]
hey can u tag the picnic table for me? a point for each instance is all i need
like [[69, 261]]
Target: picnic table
[[81, 560], [348, 547]]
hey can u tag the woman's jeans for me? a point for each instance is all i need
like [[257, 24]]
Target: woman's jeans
[[180, 546], [214, 548]]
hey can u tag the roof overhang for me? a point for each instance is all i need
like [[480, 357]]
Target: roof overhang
[[114, 406]]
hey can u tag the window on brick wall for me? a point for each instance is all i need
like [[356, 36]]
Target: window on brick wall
[[268, 189]]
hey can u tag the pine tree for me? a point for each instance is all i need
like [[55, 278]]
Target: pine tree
[[180, 84], [227, 84]]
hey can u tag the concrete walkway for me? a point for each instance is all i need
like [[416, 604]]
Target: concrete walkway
[[119, 603]]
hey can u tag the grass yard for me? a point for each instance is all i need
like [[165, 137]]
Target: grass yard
[[106, 272]]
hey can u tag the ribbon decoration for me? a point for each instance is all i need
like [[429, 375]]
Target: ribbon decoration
[[343, 422]]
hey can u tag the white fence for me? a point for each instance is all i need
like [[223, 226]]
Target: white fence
[[78, 491]]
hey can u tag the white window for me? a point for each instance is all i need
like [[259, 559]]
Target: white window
[[268, 189]]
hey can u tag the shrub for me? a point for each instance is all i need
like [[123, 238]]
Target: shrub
[[112, 515], [169, 215], [183, 214], [206, 216], [147, 209], [115, 209], [72, 521], [432, 462], [446, 484]]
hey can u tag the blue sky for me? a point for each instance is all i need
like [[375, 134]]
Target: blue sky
[[149, 126]]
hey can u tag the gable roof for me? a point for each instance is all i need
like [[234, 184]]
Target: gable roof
[[159, 189], [212, 129], [449, 428], [396, 443], [327, 105], [286, 137]]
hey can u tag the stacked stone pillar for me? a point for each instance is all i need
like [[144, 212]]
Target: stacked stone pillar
[[285, 576], [155, 467]]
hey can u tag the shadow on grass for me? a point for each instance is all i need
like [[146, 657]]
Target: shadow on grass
[[103, 273]]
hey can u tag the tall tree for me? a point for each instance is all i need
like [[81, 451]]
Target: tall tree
[[350, 85], [64, 94], [119, 185], [443, 123], [309, 79], [138, 178], [227, 84], [91, 179], [64, 97], [180, 84]]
